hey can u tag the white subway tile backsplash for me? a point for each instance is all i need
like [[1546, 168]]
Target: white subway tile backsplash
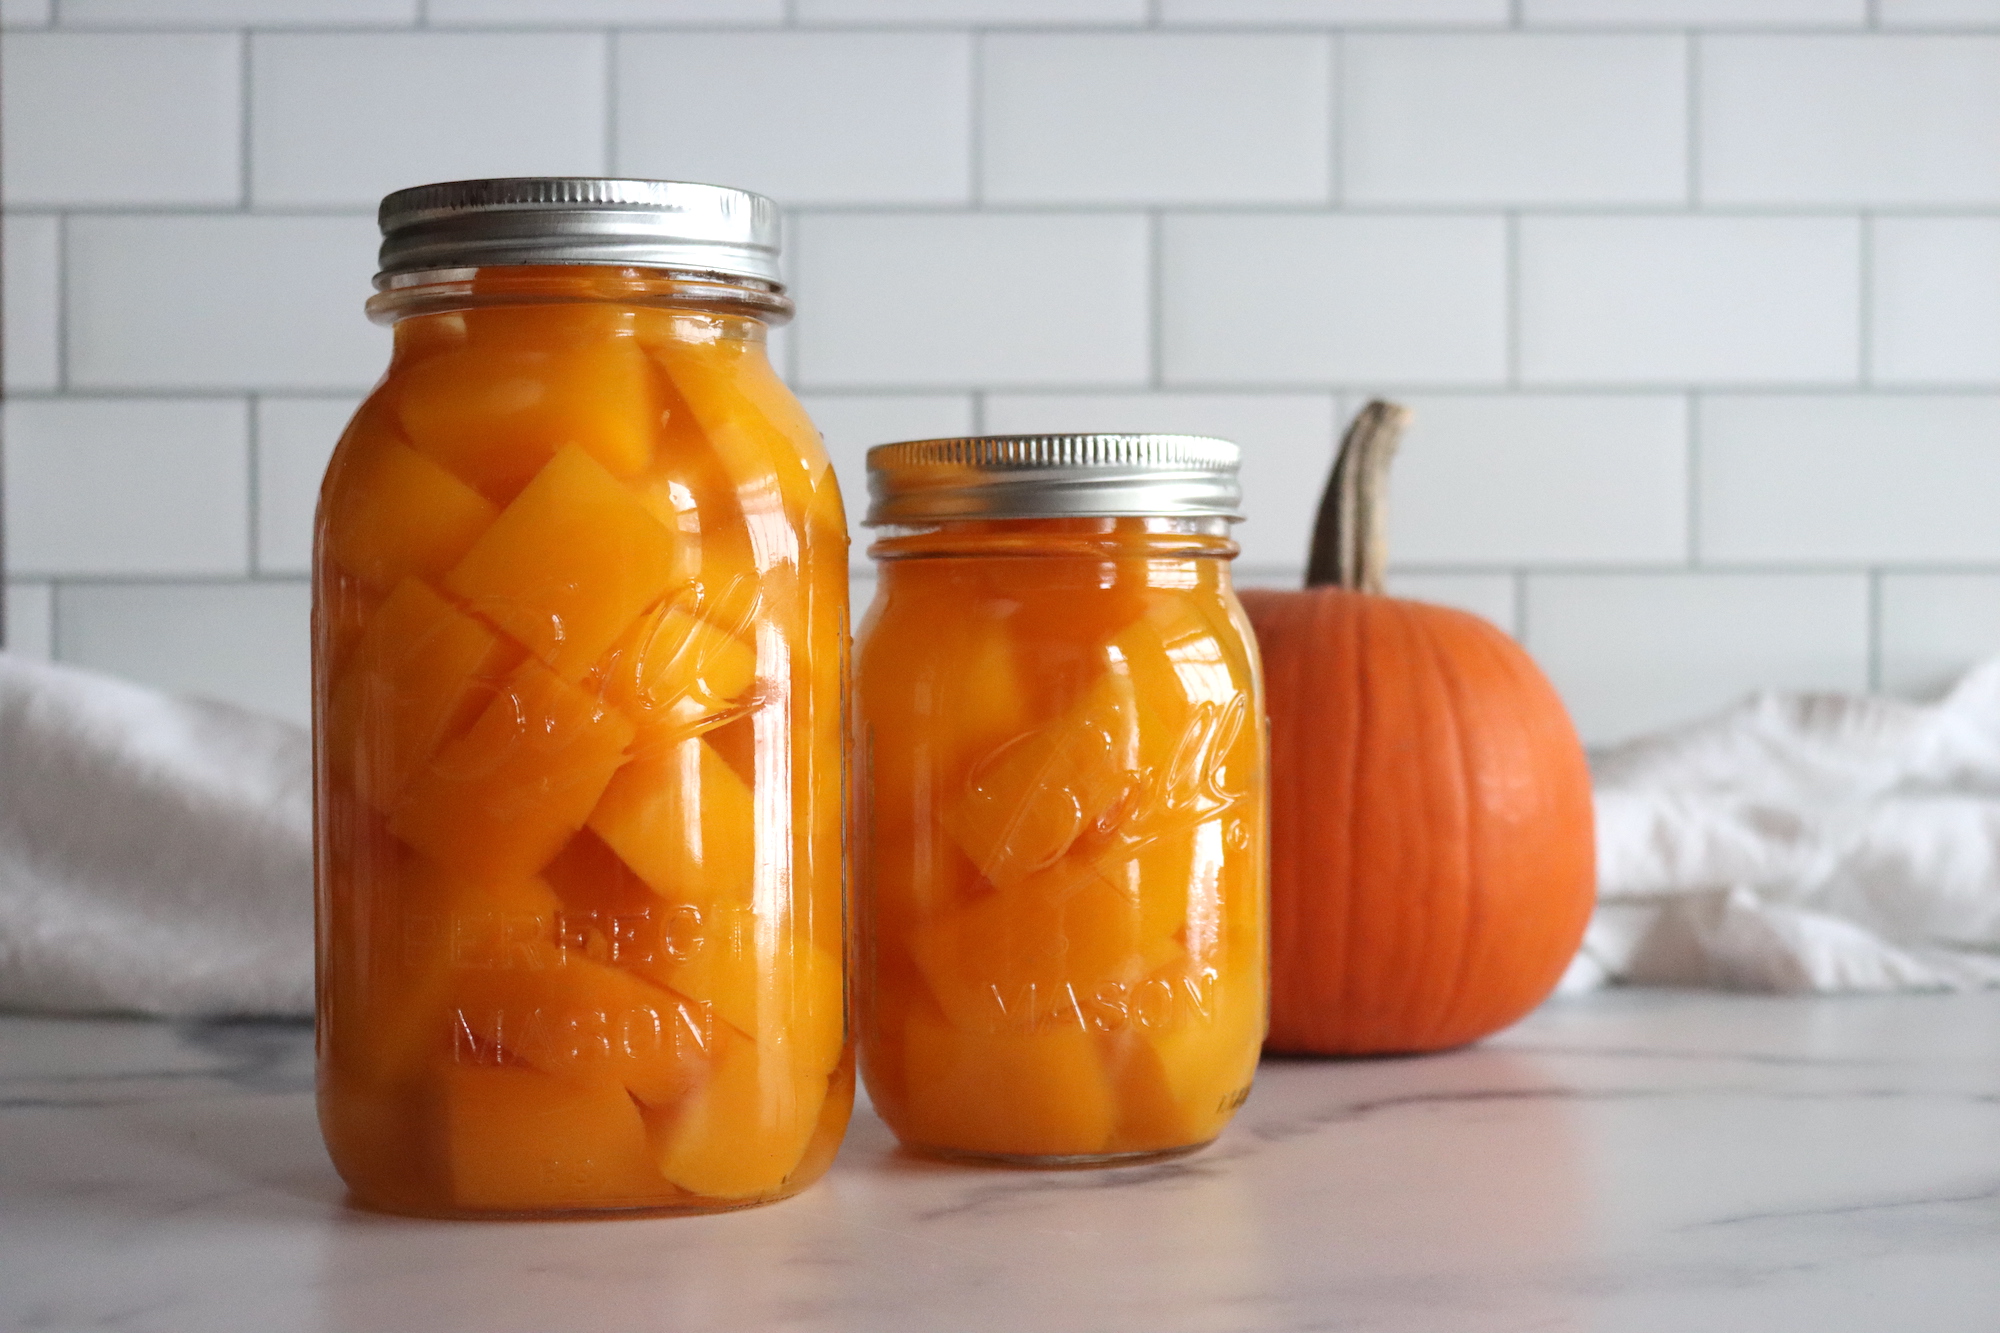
[[1679, 300], [1399, 13], [217, 13], [1526, 480], [1650, 436], [90, 119], [1508, 118], [1939, 13], [30, 247], [242, 643], [1849, 480], [1850, 120], [1936, 295], [293, 438], [127, 486], [30, 619], [577, 13], [1287, 441], [221, 302], [1303, 299], [1156, 117], [946, 300], [876, 117], [1934, 628], [983, 12], [1491, 596], [853, 423], [1699, 13], [1633, 652], [341, 119]]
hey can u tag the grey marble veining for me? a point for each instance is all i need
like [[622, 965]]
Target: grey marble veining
[[1627, 1161]]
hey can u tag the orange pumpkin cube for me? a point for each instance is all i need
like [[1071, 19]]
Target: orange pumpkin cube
[[395, 514], [421, 672], [495, 413], [741, 1133], [570, 564], [1042, 1093], [684, 822], [520, 1140]]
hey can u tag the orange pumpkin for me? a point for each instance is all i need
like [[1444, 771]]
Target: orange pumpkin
[[1432, 859]]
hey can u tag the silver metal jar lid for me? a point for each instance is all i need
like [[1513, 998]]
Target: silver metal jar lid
[[1053, 476], [579, 220]]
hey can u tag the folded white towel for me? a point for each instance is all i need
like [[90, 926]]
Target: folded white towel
[[1802, 842], [155, 852]]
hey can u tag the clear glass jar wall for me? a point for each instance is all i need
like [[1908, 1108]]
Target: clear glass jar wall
[[579, 619], [1063, 858]]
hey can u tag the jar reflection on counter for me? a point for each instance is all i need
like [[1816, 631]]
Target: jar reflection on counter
[[579, 616], [1062, 856]]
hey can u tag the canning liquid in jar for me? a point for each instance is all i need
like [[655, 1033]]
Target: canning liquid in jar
[[579, 617], [1060, 743]]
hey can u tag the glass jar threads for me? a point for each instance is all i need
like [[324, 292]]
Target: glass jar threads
[[1060, 751], [579, 617]]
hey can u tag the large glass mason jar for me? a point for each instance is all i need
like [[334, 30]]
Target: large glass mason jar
[[580, 598], [1060, 737]]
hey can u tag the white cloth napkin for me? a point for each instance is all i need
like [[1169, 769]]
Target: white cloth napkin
[[1804, 842], [155, 852]]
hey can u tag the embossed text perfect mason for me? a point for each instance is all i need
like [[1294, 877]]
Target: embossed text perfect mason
[[580, 598], [1061, 748]]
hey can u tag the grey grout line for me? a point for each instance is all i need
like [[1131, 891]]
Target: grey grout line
[[1520, 625], [423, 13], [978, 412]]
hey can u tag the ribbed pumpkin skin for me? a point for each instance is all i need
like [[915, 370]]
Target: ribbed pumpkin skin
[[1432, 858]]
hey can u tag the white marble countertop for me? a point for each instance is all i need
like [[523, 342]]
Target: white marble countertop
[[1630, 1161]]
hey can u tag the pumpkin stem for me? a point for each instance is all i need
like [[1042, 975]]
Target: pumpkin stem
[[1350, 546]]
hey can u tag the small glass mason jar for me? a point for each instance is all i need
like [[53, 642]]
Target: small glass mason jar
[[579, 627], [1062, 830]]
